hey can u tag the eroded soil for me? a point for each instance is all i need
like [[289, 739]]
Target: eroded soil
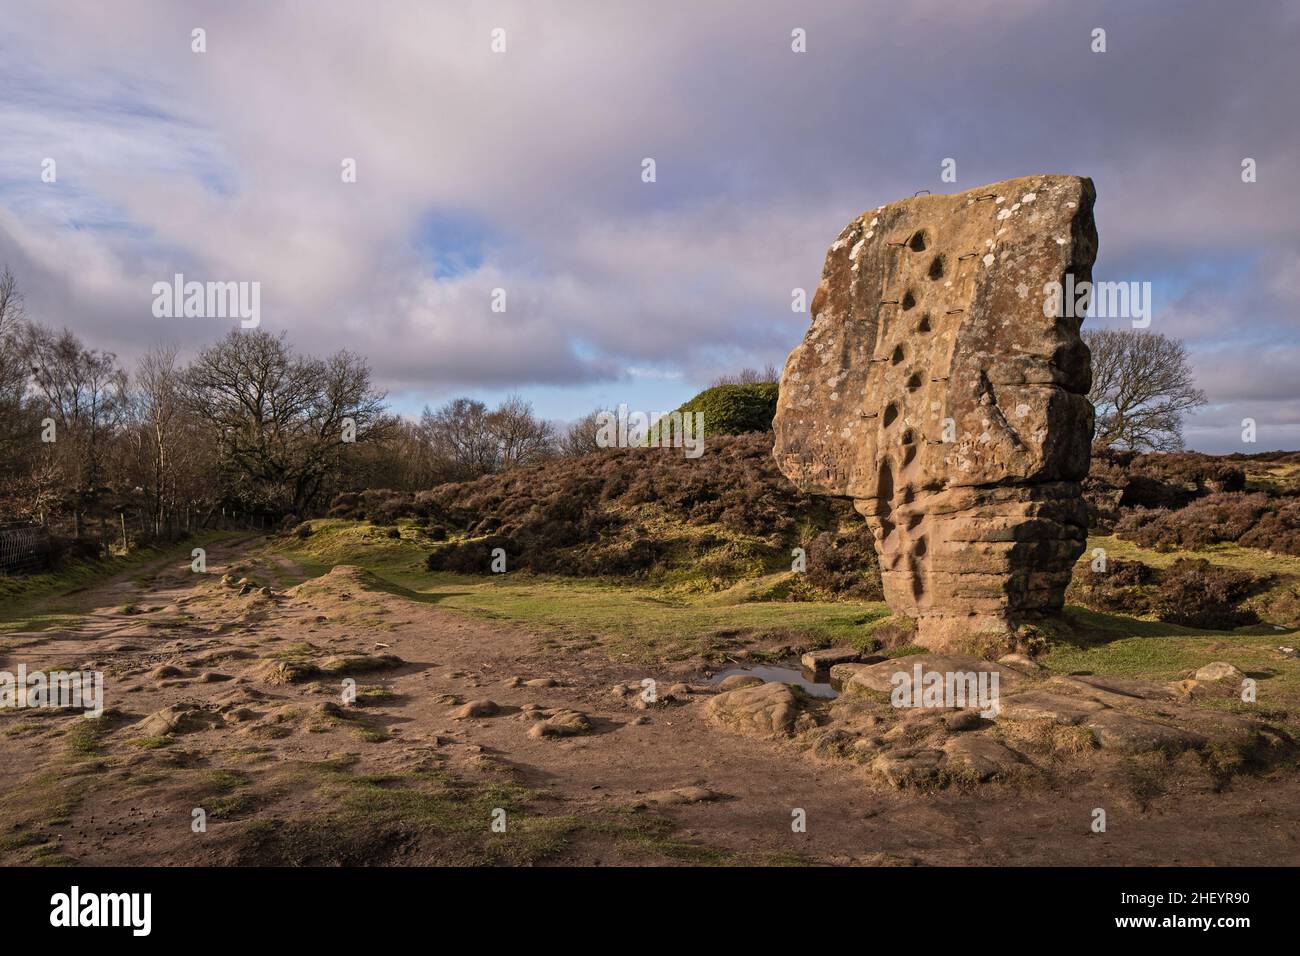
[[230, 701]]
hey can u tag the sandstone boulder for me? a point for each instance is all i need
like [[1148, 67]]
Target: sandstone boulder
[[944, 388], [766, 710]]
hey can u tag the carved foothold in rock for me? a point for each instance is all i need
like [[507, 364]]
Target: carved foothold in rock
[[942, 389]]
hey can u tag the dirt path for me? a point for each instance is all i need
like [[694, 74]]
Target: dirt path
[[261, 749]]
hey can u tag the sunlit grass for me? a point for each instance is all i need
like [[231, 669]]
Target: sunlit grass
[[642, 623]]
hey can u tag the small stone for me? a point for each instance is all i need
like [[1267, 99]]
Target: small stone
[[828, 657], [962, 720], [737, 681], [908, 767], [1199, 689], [765, 710], [541, 682], [564, 723], [979, 756], [176, 719], [681, 795], [476, 708], [1038, 705], [1219, 671], [1025, 665]]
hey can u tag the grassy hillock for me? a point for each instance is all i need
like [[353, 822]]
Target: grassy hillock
[[735, 409]]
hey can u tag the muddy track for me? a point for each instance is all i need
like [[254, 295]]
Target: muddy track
[[249, 748]]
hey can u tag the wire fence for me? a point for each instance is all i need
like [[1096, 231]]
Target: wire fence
[[30, 547], [24, 549]]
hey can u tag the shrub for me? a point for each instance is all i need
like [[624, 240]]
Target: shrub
[[735, 409], [1193, 593], [1199, 594], [641, 512], [1216, 518], [845, 564]]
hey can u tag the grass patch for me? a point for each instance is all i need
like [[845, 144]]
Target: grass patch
[[434, 817], [641, 623]]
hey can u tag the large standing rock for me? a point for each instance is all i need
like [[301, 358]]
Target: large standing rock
[[933, 390]]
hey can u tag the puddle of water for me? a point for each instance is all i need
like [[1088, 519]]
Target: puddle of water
[[783, 675]]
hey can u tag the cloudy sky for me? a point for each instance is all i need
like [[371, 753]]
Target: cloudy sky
[[521, 170]]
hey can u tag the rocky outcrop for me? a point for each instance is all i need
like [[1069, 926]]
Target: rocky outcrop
[[936, 390]]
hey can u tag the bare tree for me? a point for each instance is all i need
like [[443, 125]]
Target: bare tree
[[580, 437], [750, 376], [283, 420], [159, 404], [85, 392], [521, 438], [460, 439], [13, 373], [466, 440], [11, 304], [1142, 386]]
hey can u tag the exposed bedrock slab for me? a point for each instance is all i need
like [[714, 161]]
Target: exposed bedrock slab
[[900, 673], [933, 390]]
